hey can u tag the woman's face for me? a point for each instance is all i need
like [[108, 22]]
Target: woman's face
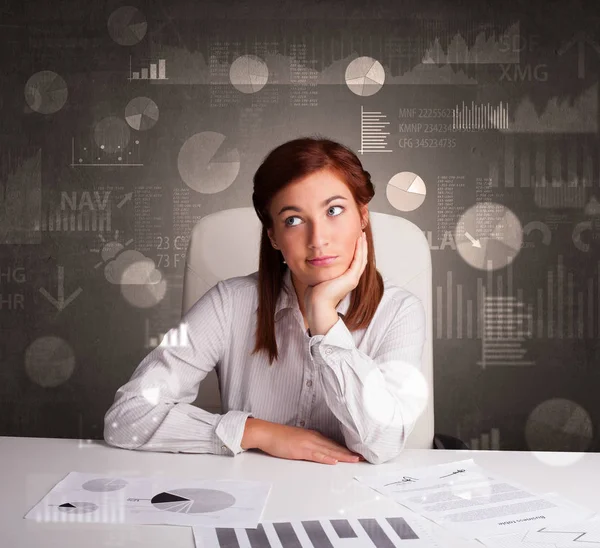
[[307, 224]]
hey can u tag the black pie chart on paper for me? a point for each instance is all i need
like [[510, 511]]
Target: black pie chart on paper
[[193, 501]]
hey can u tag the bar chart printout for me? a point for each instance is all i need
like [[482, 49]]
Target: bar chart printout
[[372, 532]]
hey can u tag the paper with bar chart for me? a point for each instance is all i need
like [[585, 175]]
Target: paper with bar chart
[[464, 498], [97, 498], [403, 530]]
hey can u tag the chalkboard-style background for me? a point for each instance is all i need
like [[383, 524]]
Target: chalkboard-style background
[[123, 124]]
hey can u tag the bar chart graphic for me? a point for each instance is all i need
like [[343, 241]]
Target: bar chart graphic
[[376, 532], [556, 311], [176, 336], [164, 326], [154, 71], [487, 441], [467, 315], [372, 136], [562, 314], [480, 117], [559, 169], [58, 220]]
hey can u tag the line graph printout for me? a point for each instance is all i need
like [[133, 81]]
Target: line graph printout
[[573, 535], [466, 499], [96, 498]]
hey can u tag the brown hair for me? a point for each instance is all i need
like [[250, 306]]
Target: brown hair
[[288, 163]]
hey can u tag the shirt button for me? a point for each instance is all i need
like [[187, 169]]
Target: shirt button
[[309, 383], [302, 423], [224, 447], [328, 351]]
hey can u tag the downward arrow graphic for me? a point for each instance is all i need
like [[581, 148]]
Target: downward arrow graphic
[[472, 240], [60, 303]]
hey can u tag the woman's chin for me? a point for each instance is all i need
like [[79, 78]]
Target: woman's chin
[[325, 272]]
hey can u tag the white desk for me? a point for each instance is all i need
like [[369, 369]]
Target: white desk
[[32, 466]]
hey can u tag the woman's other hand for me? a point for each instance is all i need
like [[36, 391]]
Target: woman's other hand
[[291, 442]]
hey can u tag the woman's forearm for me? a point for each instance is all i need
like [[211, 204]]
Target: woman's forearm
[[254, 433]]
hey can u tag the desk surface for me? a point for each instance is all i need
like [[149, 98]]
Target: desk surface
[[32, 466]]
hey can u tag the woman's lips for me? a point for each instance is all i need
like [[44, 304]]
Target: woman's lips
[[322, 262]]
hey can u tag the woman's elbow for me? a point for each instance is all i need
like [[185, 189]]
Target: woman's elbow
[[126, 419], [378, 458], [381, 455], [120, 432], [120, 436]]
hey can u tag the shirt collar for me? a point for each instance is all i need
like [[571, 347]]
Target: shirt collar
[[288, 299]]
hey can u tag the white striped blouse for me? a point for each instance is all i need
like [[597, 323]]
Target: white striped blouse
[[363, 389]]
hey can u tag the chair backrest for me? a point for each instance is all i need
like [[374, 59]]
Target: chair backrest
[[402, 255]]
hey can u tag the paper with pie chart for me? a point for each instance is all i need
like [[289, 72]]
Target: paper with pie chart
[[96, 498]]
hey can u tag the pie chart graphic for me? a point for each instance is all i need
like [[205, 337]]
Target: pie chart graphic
[[127, 26], [406, 191], [488, 236], [49, 361], [193, 500], [104, 484], [78, 507], [365, 76], [559, 425], [112, 134], [207, 163], [46, 92], [249, 73], [141, 113]]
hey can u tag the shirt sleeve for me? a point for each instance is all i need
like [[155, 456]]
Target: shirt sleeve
[[153, 411], [376, 399]]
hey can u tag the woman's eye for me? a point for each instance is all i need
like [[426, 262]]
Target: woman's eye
[[295, 217]]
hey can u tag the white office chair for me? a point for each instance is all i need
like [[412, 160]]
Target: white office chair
[[402, 255]]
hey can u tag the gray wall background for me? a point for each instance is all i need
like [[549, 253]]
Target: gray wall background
[[123, 124]]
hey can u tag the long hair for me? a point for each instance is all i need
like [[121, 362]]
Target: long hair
[[288, 163]]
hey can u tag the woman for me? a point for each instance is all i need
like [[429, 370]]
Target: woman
[[316, 360]]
